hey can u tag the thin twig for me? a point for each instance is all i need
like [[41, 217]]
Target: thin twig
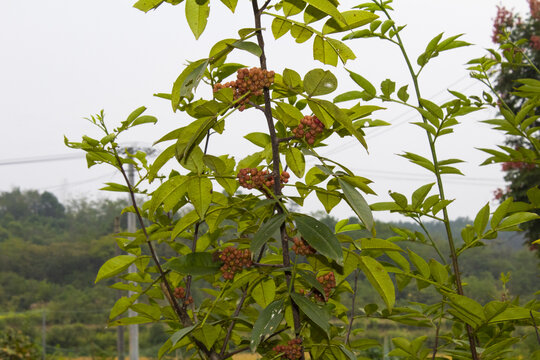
[[535, 327], [352, 307], [237, 351], [269, 265], [436, 345], [256, 106], [233, 321], [287, 139], [180, 312]]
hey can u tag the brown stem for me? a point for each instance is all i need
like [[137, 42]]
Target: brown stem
[[436, 345], [268, 265], [287, 139], [233, 321], [275, 163], [352, 307], [535, 327]]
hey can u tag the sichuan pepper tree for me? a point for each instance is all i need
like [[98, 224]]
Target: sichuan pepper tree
[[253, 275]]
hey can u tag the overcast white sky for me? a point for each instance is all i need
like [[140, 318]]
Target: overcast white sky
[[62, 60]]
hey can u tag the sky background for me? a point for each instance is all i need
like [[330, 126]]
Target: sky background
[[63, 60]]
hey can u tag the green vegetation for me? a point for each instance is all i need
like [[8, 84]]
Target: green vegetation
[[50, 254]]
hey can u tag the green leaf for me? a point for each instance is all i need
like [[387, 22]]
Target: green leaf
[[187, 81], [207, 334], [327, 112], [248, 46], [292, 79], [420, 194], [264, 292], [147, 119], [197, 12], [329, 199], [231, 4], [516, 219], [319, 236], [328, 8], [388, 87], [438, 271], [197, 263], [318, 314], [293, 7], [280, 27], [311, 280], [363, 83], [151, 311], [402, 93], [147, 5], [357, 202], [199, 191], [266, 231], [121, 305], [481, 220], [324, 52], [500, 213], [355, 18], [319, 82], [378, 244], [295, 159], [267, 322], [420, 264], [379, 279], [180, 334], [258, 138], [432, 108], [175, 186], [115, 266], [288, 114], [315, 176]]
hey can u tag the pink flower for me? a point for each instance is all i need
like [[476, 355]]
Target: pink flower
[[534, 5], [504, 19], [535, 42]]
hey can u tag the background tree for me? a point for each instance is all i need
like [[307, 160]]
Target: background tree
[[511, 28]]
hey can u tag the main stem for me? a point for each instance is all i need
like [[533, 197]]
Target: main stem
[[275, 163], [453, 253]]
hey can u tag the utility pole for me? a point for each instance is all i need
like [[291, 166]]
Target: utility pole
[[43, 334], [119, 329], [134, 328]]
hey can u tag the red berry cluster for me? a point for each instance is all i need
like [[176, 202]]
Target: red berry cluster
[[309, 128], [180, 293], [328, 282], [291, 351], [258, 179], [301, 247], [234, 260], [248, 80]]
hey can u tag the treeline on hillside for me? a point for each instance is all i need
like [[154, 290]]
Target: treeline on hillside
[[50, 253]]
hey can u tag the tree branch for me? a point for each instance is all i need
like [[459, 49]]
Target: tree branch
[[231, 326]]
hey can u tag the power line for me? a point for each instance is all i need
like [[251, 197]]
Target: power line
[[393, 126], [39, 159], [76, 183]]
